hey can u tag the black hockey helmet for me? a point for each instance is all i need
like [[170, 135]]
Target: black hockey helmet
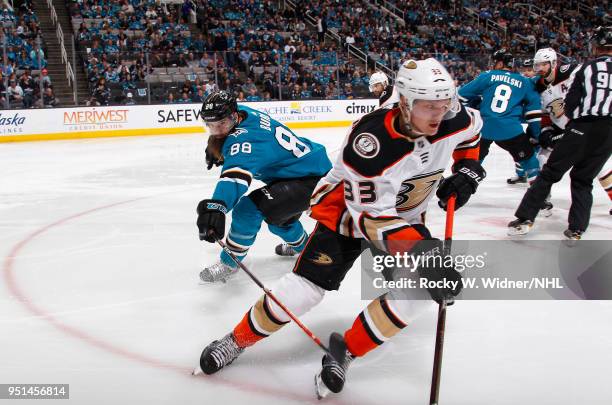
[[504, 56], [218, 105], [527, 63], [602, 36]]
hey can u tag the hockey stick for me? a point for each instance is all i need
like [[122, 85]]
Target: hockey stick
[[269, 293], [437, 366]]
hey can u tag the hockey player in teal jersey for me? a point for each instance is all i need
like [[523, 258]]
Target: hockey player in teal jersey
[[508, 99], [255, 146]]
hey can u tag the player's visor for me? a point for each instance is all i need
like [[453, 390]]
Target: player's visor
[[221, 127], [430, 109]]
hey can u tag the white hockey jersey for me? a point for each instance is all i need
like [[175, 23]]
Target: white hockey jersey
[[553, 95], [383, 181], [389, 97]]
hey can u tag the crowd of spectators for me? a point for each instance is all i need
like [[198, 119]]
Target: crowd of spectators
[[144, 50], [24, 79], [547, 23]]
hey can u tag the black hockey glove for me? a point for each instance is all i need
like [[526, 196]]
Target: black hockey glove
[[467, 174], [212, 160], [211, 220], [443, 281], [213, 150], [549, 138]]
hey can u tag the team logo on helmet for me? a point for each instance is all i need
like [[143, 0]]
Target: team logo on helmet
[[410, 64], [366, 145]]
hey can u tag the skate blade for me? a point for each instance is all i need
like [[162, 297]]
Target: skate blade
[[197, 371], [206, 282], [320, 388]]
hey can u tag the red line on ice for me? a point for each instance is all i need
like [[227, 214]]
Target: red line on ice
[[15, 289]]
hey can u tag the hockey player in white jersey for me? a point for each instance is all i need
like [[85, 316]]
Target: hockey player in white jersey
[[553, 83], [390, 168], [386, 93]]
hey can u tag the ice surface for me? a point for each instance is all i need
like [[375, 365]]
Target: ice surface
[[100, 263]]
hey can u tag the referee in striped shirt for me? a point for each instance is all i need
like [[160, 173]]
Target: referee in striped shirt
[[586, 144]]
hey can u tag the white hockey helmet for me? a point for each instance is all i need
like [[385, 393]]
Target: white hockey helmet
[[546, 55], [378, 77], [426, 80]]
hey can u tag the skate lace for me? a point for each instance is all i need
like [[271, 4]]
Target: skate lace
[[338, 368], [226, 351]]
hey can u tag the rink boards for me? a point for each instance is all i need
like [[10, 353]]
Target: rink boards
[[165, 119]]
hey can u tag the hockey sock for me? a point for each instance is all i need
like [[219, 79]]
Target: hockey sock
[[293, 234], [531, 167], [240, 251], [520, 172], [606, 183], [300, 244], [374, 326], [257, 324]]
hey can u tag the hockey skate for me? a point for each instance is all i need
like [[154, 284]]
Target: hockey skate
[[572, 235], [517, 180], [332, 376], [284, 249], [519, 227], [218, 354], [217, 272]]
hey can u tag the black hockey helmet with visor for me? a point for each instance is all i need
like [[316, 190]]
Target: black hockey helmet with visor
[[218, 105]]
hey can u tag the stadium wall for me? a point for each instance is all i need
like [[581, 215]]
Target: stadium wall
[[141, 120]]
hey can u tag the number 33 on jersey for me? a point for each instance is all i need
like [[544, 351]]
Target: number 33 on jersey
[[383, 180]]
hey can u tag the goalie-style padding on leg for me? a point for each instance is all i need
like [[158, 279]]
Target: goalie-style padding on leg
[[266, 317]]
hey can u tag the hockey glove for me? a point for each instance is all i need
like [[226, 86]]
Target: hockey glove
[[212, 160], [549, 138], [443, 281], [467, 174], [213, 152], [211, 220]]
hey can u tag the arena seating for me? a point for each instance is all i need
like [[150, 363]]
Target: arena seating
[[23, 45], [178, 51]]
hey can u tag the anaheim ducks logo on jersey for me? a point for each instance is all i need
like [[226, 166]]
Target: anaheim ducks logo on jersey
[[415, 190], [382, 183], [556, 107], [322, 258]]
